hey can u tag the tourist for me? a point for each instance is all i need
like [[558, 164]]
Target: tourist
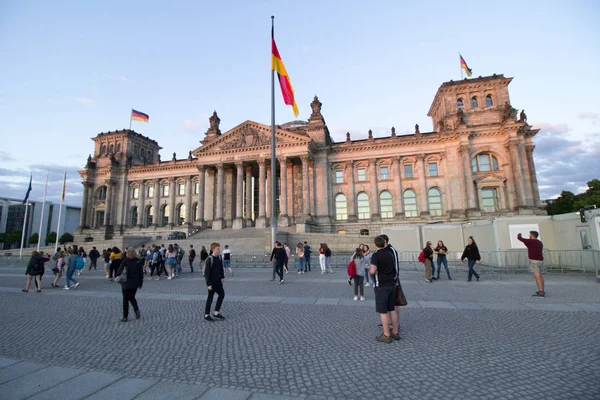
[[71, 266], [307, 252], [278, 259], [163, 258], [328, 258], [203, 257], [300, 258], [171, 261], [471, 253], [367, 264], [400, 298], [106, 257], [359, 279], [35, 268], [428, 252], [156, 268], [58, 268], [81, 253], [288, 252], [442, 258], [142, 254], [227, 260], [215, 276], [94, 256], [149, 257], [384, 269], [535, 253], [322, 260], [133, 272], [191, 257], [179, 256], [115, 262]]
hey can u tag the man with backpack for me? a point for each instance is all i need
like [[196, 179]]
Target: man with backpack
[[142, 255], [94, 256]]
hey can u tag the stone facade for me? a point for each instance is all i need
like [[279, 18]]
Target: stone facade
[[476, 164]]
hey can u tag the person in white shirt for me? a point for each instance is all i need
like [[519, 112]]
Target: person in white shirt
[[226, 253]]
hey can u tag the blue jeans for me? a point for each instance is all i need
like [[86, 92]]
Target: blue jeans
[[367, 275], [300, 264], [226, 264], [306, 263], [472, 270], [70, 273], [442, 260]]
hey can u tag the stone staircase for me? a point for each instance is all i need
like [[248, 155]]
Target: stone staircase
[[246, 240]]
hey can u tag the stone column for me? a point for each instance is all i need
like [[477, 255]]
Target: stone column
[[140, 219], [502, 199], [171, 204], [261, 222], [423, 186], [219, 222], [90, 207], [470, 189], [249, 195], [518, 176], [201, 181], [108, 208], [305, 188], [374, 199], [530, 171], [156, 204], [238, 222], [398, 205], [188, 201], [352, 195], [84, 206], [284, 219]]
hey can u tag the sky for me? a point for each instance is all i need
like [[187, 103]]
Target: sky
[[70, 70]]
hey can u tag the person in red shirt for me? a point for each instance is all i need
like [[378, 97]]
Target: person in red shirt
[[535, 253]]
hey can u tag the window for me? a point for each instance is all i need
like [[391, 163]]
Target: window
[[134, 216], [165, 190], [135, 193], [364, 211], [385, 204], [408, 172], [410, 203], [459, 104], [488, 100], [142, 153], [118, 147], [164, 215], [181, 214], [196, 188], [181, 189], [434, 196], [111, 148], [195, 212], [341, 207], [489, 199], [339, 176], [484, 163], [474, 102], [149, 212], [102, 193], [103, 149], [433, 169], [149, 157], [150, 191], [362, 174], [384, 173]]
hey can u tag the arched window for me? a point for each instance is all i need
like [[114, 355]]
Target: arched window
[[111, 149], [385, 204], [459, 104], [164, 215], [103, 149], [134, 216], [195, 212], [180, 214], [118, 147], [149, 156], [364, 211], [149, 213], [102, 193], [434, 196], [341, 207], [474, 102], [410, 203], [484, 162], [142, 151], [489, 101]]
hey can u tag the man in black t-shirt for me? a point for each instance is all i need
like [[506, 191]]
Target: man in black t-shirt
[[191, 257], [383, 267]]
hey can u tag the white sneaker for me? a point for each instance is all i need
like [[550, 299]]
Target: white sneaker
[[362, 298], [67, 288], [106, 276], [322, 272], [157, 278], [77, 284], [355, 298], [169, 277], [150, 278], [367, 284]]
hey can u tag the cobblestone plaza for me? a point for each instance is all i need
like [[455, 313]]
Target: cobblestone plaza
[[306, 338]]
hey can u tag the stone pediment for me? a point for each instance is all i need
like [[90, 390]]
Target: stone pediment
[[490, 179], [250, 135]]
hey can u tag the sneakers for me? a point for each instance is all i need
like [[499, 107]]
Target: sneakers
[[349, 281], [362, 298], [106, 276], [208, 318], [355, 298], [322, 272], [367, 284], [427, 280], [157, 278], [169, 277], [383, 339], [219, 316], [77, 284], [281, 281], [67, 288], [539, 294]]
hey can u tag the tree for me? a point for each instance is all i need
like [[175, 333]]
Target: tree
[[563, 204], [4, 238], [568, 202], [65, 238], [15, 237], [34, 239], [51, 238]]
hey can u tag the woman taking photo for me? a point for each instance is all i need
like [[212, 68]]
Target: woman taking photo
[[215, 276], [442, 252], [471, 253], [131, 278], [35, 268]]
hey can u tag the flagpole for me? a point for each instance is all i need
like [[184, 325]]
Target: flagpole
[[273, 152], [130, 118], [461, 67], [42, 213], [62, 199], [23, 231]]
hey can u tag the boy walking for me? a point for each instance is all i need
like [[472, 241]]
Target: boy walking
[[535, 253], [383, 267], [227, 260]]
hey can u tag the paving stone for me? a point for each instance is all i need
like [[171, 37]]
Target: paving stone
[[19, 369], [78, 387], [551, 307], [262, 396], [328, 302], [7, 361], [229, 394], [123, 389], [36, 382], [436, 304], [504, 306], [173, 391], [467, 306], [299, 300], [587, 307], [263, 299]]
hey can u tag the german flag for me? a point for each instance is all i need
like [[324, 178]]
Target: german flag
[[284, 79], [139, 116], [463, 65]]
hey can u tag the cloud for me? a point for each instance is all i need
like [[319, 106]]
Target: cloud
[[594, 117], [5, 157], [124, 79], [85, 101], [190, 125], [553, 128]]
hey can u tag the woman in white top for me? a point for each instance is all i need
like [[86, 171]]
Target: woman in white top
[[171, 260], [60, 263], [300, 258], [367, 264]]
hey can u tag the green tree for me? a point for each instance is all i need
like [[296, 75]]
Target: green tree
[[4, 237], [34, 238], [65, 238], [568, 202], [51, 238], [565, 203], [15, 237]]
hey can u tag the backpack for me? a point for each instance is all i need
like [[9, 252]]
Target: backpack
[[421, 257], [79, 263], [351, 269], [142, 253]]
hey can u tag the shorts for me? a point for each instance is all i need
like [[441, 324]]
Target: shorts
[[226, 263], [535, 266], [385, 299]]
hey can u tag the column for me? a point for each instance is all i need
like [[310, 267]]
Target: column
[[156, 204], [84, 206], [219, 222], [238, 222], [108, 207], [398, 184], [352, 195], [305, 188], [423, 185], [374, 199], [524, 153], [188, 201], [446, 192], [470, 189], [518, 176], [90, 207], [201, 179], [261, 222], [249, 196], [171, 205], [284, 219], [502, 199], [534, 184], [140, 219]]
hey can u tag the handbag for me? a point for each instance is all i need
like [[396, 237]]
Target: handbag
[[400, 297], [122, 279]]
